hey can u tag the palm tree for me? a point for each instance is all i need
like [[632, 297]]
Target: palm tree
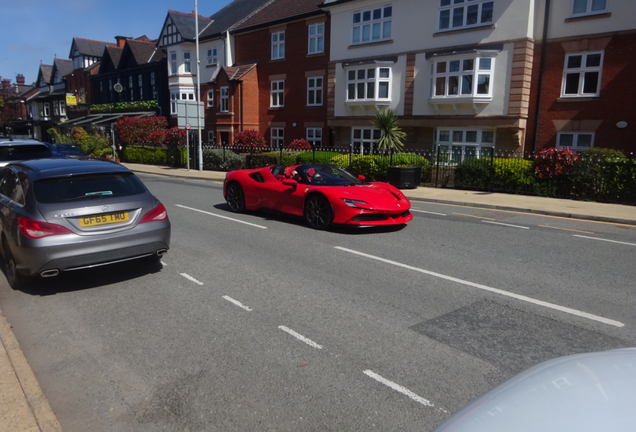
[[392, 139]]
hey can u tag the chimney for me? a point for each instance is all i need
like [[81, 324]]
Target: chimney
[[6, 83], [19, 79], [121, 41]]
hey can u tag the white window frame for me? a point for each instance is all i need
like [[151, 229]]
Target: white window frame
[[277, 94], [463, 143], [452, 75], [187, 62], [212, 56], [56, 108], [452, 11], [589, 5], [364, 139], [174, 97], [182, 93], [575, 140], [583, 73], [371, 25], [174, 67], [316, 39], [47, 109], [278, 45], [315, 90], [210, 98], [314, 137], [277, 138], [362, 81], [62, 108], [224, 105]]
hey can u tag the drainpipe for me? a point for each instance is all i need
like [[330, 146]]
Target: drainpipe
[[241, 86], [544, 44]]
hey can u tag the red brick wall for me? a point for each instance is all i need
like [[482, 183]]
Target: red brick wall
[[255, 47], [617, 100]]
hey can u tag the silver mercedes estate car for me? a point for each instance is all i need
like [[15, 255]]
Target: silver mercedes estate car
[[60, 215]]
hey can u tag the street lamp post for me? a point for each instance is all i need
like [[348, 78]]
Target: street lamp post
[[196, 30]]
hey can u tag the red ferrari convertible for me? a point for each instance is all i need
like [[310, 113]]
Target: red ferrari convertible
[[323, 194]]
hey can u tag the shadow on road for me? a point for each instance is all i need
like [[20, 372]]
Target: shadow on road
[[267, 215], [91, 278]]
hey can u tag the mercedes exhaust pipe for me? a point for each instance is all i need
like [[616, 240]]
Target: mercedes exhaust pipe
[[50, 273]]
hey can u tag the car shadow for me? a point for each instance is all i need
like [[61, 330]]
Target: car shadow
[[90, 278], [267, 214]]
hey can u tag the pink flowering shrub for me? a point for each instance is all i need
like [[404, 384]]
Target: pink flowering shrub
[[553, 162], [298, 145], [249, 141]]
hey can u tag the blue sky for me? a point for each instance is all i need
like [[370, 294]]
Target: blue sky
[[35, 31]]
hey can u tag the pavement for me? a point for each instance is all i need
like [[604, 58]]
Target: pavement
[[23, 406]]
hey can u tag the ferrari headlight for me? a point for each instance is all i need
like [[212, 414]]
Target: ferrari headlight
[[354, 203]]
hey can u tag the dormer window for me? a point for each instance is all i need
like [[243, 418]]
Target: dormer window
[[171, 36]]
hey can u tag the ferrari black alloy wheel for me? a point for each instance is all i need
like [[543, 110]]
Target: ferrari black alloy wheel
[[235, 197], [318, 213]]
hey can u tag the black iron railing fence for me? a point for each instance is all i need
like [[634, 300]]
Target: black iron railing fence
[[600, 177]]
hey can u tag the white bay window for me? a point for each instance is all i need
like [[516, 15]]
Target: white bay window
[[469, 77], [369, 84]]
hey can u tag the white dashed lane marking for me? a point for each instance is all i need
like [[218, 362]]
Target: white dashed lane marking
[[221, 216], [490, 289]]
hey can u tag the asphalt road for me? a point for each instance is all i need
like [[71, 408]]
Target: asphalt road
[[255, 322]]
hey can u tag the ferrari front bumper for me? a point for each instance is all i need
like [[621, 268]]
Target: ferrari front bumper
[[380, 219]]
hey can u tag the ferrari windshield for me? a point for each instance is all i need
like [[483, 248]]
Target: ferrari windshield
[[326, 175]]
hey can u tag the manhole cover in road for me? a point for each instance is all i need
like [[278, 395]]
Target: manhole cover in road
[[511, 339]]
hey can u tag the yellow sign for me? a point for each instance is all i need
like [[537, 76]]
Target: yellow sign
[[71, 100]]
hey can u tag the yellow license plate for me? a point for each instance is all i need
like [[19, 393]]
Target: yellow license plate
[[108, 218]]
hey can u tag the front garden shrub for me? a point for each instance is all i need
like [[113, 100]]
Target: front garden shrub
[[222, 160], [315, 157], [260, 160], [553, 168], [599, 174], [249, 141], [512, 175], [474, 174], [298, 145], [146, 155], [365, 165]]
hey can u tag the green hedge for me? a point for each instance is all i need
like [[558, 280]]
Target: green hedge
[[513, 175], [220, 160], [153, 155], [604, 174]]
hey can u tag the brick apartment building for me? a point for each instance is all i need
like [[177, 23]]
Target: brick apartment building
[[286, 42], [583, 82]]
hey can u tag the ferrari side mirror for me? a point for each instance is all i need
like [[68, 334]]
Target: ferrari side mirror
[[361, 178], [290, 182]]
